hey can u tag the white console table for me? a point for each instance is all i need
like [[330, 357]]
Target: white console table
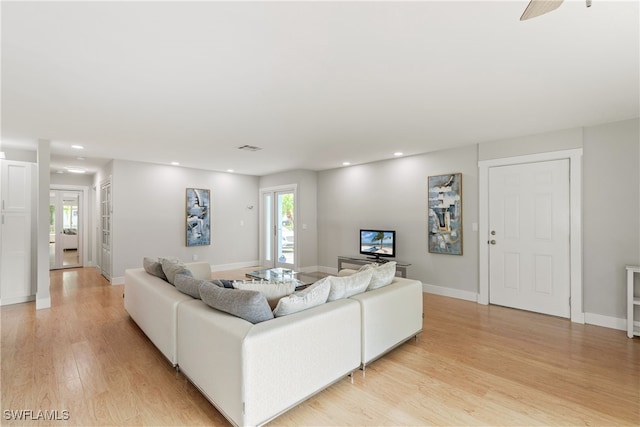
[[401, 267], [633, 300]]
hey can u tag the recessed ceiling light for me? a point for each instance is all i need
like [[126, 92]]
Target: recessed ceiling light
[[230, 170], [346, 163], [398, 153], [78, 147], [175, 163], [76, 170]]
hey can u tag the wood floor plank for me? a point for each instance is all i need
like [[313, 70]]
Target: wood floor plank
[[472, 365]]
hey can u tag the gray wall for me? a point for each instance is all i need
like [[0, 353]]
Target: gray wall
[[72, 179], [611, 214], [393, 195], [532, 144], [307, 204], [149, 215], [19, 155]]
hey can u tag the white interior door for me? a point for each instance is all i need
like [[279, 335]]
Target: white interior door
[[529, 223], [16, 180], [278, 231]]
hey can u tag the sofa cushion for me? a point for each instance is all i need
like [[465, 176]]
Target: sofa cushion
[[153, 267], [383, 274], [251, 306], [187, 284], [346, 286], [171, 267], [312, 296], [272, 290]]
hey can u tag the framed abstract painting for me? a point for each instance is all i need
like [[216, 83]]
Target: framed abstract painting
[[198, 225], [445, 214]]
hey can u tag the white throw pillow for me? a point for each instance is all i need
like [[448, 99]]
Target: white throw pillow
[[346, 286], [312, 296], [272, 290], [383, 275]]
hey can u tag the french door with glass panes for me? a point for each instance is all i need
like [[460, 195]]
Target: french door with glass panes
[[278, 241], [65, 242], [105, 226]]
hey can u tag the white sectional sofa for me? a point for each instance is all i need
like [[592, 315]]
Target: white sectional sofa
[[390, 316], [153, 304], [254, 372]]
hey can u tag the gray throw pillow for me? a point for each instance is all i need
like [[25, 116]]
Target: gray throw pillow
[[153, 267], [189, 285], [171, 267], [251, 306]]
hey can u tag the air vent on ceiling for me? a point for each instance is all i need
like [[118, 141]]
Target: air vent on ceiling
[[249, 148]]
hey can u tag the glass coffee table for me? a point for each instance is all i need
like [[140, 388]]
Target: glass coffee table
[[285, 275]]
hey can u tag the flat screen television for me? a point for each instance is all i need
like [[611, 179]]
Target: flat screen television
[[378, 243]]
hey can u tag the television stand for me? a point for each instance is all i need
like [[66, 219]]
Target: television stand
[[401, 267], [378, 259]]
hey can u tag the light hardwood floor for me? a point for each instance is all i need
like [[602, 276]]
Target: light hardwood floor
[[472, 365]]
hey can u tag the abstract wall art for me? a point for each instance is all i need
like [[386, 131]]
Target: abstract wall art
[[198, 224], [445, 214]]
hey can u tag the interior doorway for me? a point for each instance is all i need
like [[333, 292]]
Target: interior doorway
[[529, 257], [65, 229], [574, 216], [278, 242]]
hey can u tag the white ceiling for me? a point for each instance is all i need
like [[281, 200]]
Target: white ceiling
[[311, 83]]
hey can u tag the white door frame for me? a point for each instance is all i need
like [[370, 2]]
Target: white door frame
[[280, 188], [575, 203], [83, 221]]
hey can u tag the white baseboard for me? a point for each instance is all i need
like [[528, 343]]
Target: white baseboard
[[17, 300], [450, 292], [117, 280], [605, 321]]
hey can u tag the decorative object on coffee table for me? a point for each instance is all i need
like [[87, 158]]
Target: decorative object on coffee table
[[198, 222], [445, 214]]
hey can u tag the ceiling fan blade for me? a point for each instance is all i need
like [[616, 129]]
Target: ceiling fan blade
[[540, 7]]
